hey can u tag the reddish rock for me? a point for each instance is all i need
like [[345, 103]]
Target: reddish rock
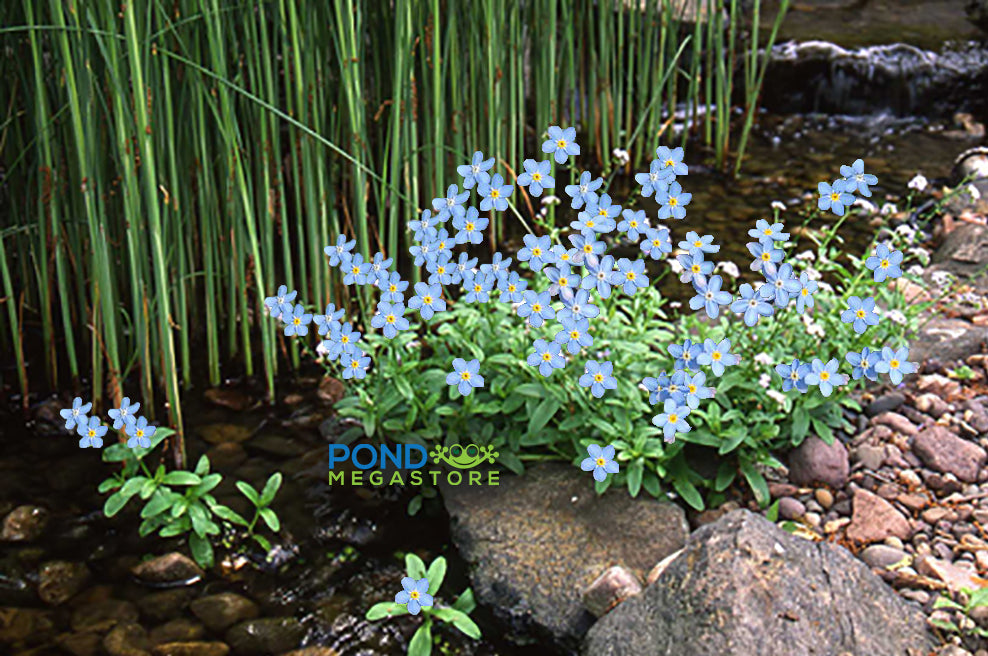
[[896, 422], [873, 519], [609, 589], [816, 462], [945, 452]]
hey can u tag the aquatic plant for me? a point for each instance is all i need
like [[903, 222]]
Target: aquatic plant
[[424, 585]]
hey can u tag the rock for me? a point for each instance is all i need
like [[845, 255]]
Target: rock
[[277, 446], [790, 508], [59, 581], [170, 568], [824, 497], [661, 566], [777, 490], [873, 519], [81, 644], [870, 456], [913, 501], [24, 524], [221, 611], [814, 462], [947, 339], [536, 542], [265, 635], [609, 589], [101, 616], [955, 577], [943, 451], [933, 515], [882, 556], [760, 591], [313, 651], [943, 483], [896, 422], [226, 456], [228, 398], [191, 649], [942, 386], [884, 403], [219, 433], [127, 639], [975, 416], [178, 630], [25, 625], [932, 405], [165, 605]]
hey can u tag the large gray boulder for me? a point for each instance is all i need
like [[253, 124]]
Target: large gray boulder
[[536, 542], [743, 586]]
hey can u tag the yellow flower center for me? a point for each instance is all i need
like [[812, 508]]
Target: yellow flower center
[[656, 242], [630, 275], [495, 193], [588, 249], [546, 357], [537, 307], [860, 314], [92, 433], [536, 177], [392, 288], [561, 143], [465, 375], [715, 356], [601, 212], [345, 339], [598, 378], [692, 389], [297, 320], [695, 268], [601, 462], [414, 594], [355, 270], [536, 252], [440, 269], [673, 201], [590, 223], [804, 291], [140, 433], [469, 226], [767, 232], [564, 257], [673, 418], [354, 364], [478, 288], [824, 375], [894, 363], [427, 300], [390, 318], [698, 243], [511, 288], [563, 281], [834, 197], [574, 334], [670, 162], [766, 257], [885, 264]]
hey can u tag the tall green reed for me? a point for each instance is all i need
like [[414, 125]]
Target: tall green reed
[[170, 163]]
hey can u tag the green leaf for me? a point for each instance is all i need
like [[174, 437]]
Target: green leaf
[[800, 423], [181, 478], [414, 566], [197, 515], [977, 598], [270, 519], [543, 413], [202, 550], [943, 624], [414, 505], [772, 514], [228, 514], [511, 461], [465, 602], [734, 435], [756, 481], [271, 489], [688, 492], [208, 483], [262, 541], [108, 484], [436, 574], [249, 492], [823, 431], [383, 610], [175, 528], [652, 484], [635, 471], [133, 486], [115, 504], [202, 467], [531, 390], [421, 644], [458, 619], [947, 602], [159, 503]]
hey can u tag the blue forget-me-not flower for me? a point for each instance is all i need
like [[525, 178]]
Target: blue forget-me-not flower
[[561, 276], [139, 431], [824, 376], [588, 248], [537, 251], [630, 275], [860, 313], [766, 256], [414, 595], [561, 143], [768, 234], [465, 376], [476, 171], [76, 414], [895, 364], [656, 242], [390, 317], [685, 353], [441, 270], [427, 300], [672, 420], [694, 266], [657, 180], [855, 179], [91, 433], [674, 201], [885, 263], [793, 375], [495, 194], [477, 286], [717, 355], [452, 204], [546, 357], [575, 335], [863, 363], [601, 462], [123, 413], [342, 341], [537, 307], [423, 229], [752, 304], [274, 303], [782, 283], [807, 287], [355, 365], [709, 295], [634, 223], [470, 227], [392, 288], [536, 177], [576, 305], [672, 159], [511, 288], [297, 321], [338, 254], [834, 197], [597, 376], [356, 271], [585, 191], [694, 242], [600, 276]]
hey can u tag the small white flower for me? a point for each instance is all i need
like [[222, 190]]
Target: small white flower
[[865, 204], [806, 256], [920, 254], [915, 270], [896, 317], [975, 194], [676, 267], [889, 208], [621, 156], [812, 273], [906, 231], [941, 278], [778, 205], [765, 380], [730, 268], [763, 358], [816, 330], [779, 397], [918, 183], [824, 286], [320, 349], [550, 200], [675, 305]]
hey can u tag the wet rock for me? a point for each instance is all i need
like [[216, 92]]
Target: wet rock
[[873, 519], [815, 462], [219, 433], [228, 398], [59, 581], [191, 649], [178, 630], [173, 568], [609, 589], [881, 556], [884, 403], [760, 591], [16, 583], [128, 639], [221, 611], [25, 626], [276, 445], [536, 542], [165, 605], [80, 644], [226, 457], [102, 616], [313, 651], [265, 636], [790, 508], [24, 524], [943, 451]]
